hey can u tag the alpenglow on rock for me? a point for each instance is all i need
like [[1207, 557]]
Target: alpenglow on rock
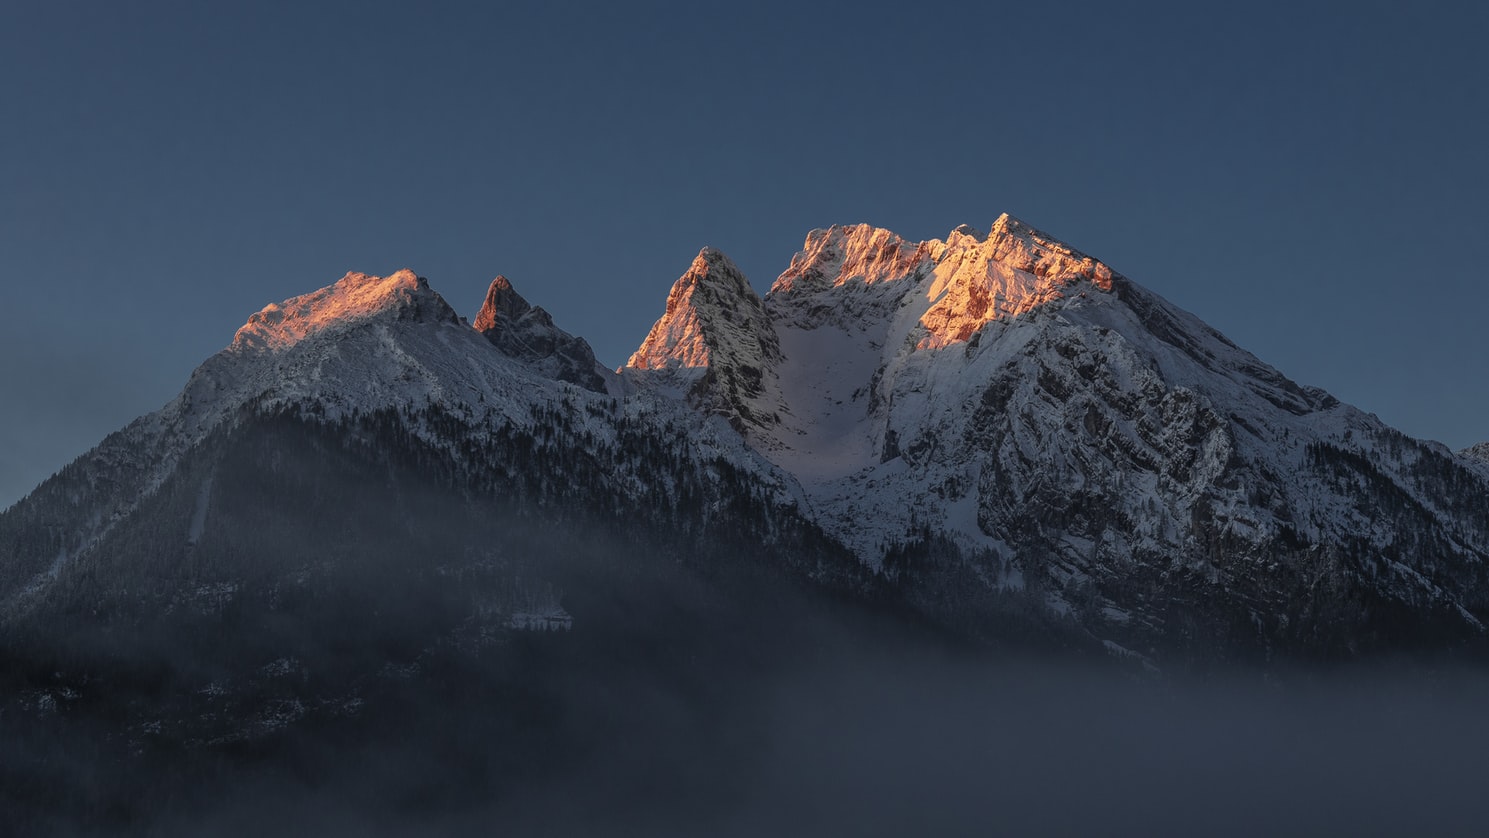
[[714, 345], [1084, 442], [996, 432]]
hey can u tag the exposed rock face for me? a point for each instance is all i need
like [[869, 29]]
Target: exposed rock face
[[714, 345], [852, 253], [527, 333]]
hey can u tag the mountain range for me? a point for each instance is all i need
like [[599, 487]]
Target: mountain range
[[997, 404], [992, 439]]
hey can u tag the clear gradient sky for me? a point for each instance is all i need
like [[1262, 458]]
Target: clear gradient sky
[[1310, 178]]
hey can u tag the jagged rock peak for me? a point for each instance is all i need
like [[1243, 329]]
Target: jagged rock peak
[[840, 254], [709, 307], [1021, 246], [352, 300], [1013, 270], [858, 274], [502, 303], [714, 345], [864, 253], [714, 271], [1476, 452], [527, 333]]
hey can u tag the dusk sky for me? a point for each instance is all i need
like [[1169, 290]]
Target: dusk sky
[[1309, 178]]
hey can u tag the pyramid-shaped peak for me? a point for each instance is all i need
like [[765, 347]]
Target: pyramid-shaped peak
[[1022, 246], [1010, 229], [1008, 224], [712, 279], [712, 265], [714, 344], [502, 303], [526, 333], [709, 304]]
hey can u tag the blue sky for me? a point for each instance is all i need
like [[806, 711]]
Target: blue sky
[[1308, 177]]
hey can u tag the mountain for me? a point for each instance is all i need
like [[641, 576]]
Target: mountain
[[1070, 434], [366, 525], [372, 373], [364, 515], [987, 423], [714, 345], [990, 422]]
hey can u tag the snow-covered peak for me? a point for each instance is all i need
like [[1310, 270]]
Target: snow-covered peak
[[1019, 246], [842, 254], [1476, 452], [352, 300], [862, 253], [361, 344], [1011, 271], [857, 275], [894, 358]]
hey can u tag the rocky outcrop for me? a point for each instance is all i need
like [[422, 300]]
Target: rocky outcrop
[[714, 345], [527, 333]]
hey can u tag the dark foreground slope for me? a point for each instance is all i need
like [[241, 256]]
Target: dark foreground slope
[[367, 636], [355, 589]]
